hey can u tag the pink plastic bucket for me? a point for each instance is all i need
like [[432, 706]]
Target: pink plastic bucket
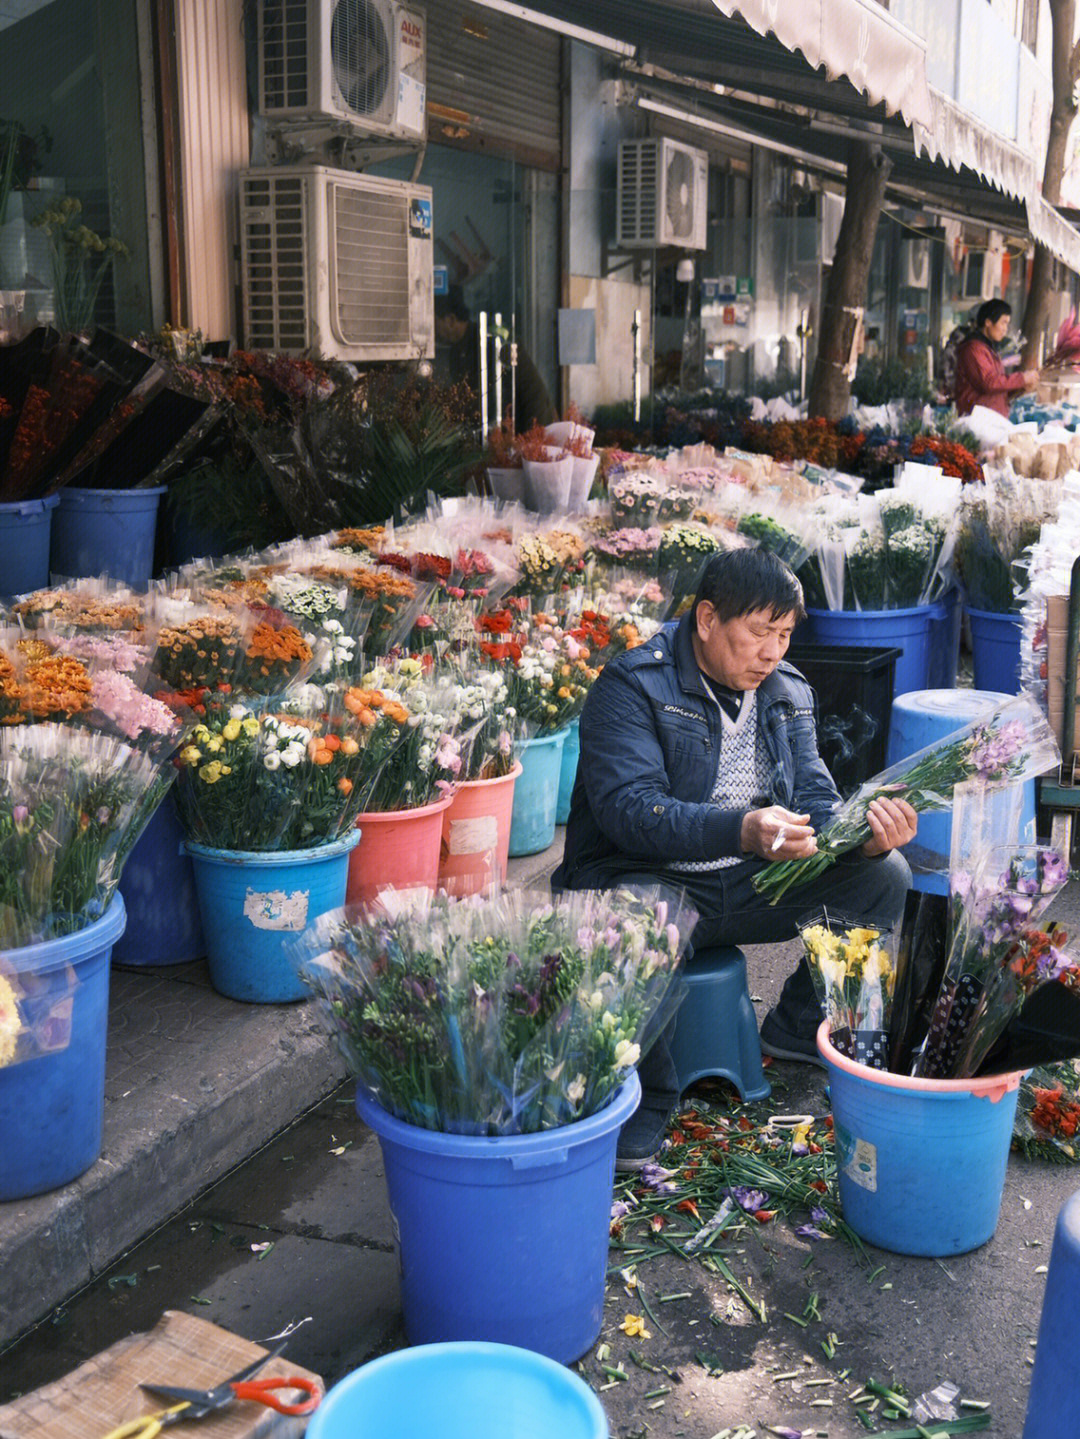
[[398, 849], [476, 834]]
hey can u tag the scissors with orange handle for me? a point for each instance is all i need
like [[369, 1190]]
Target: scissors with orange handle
[[199, 1403]]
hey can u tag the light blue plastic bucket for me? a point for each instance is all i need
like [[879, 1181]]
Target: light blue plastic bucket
[[254, 904], [536, 794], [924, 718], [158, 885], [920, 1162], [519, 1252], [908, 630], [25, 531], [568, 770], [105, 532], [461, 1391], [995, 650], [52, 1105]]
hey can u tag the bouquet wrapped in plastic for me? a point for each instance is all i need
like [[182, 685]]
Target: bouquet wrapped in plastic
[[853, 968], [1012, 744], [497, 1015]]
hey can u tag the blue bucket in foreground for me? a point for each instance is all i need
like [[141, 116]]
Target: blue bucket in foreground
[[908, 630], [568, 769], [158, 885], [25, 533], [461, 1391], [536, 794], [52, 1104], [921, 1162], [995, 650], [253, 904], [105, 532], [922, 719], [1054, 1400], [518, 1254]]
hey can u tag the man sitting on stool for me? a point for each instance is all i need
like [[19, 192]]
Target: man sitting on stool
[[699, 766]]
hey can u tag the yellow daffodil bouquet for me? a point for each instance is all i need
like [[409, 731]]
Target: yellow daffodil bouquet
[[854, 971], [491, 1015]]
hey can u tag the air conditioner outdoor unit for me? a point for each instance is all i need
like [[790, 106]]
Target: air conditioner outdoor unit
[[336, 264], [663, 193], [355, 66]]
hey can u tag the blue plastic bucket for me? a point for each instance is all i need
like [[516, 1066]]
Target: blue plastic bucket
[[995, 650], [920, 1162], [52, 1105], [518, 1254], [945, 626], [908, 630], [1054, 1401], [105, 532], [25, 531], [924, 718], [254, 904], [568, 770], [461, 1391], [158, 886], [536, 794]]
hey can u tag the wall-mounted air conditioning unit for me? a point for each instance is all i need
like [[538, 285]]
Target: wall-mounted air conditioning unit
[[663, 194], [336, 264], [354, 66]]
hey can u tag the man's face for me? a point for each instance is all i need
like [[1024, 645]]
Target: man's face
[[998, 330], [741, 652]]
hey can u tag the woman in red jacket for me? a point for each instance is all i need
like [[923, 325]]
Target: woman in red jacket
[[980, 375]]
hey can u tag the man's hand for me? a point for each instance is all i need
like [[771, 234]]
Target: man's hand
[[776, 833], [1031, 378], [892, 823]]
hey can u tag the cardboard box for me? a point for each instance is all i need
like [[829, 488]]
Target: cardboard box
[[180, 1350]]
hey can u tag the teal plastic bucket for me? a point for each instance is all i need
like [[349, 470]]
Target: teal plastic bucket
[[25, 533], [995, 650], [908, 630], [519, 1252], [568, 770], [921, 1162], [105, 532], [52, 1104], [254, 904], [924, 718], [536, 794], [461, 1391], [158, 885]]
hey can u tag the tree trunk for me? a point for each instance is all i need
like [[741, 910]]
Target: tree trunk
[[1065, 64], [845, 295]]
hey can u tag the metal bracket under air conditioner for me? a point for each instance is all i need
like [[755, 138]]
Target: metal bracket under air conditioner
[[301, 142]]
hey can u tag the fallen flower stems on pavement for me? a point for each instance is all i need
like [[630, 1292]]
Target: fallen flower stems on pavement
[[967, 1425]]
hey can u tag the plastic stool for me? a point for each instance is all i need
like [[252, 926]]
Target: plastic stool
[[716, 1030], [1054, 1401]]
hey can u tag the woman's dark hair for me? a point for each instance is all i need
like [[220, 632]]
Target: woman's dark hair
[[737, 582], [991, 312]]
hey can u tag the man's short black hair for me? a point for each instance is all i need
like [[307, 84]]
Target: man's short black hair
[[452, 303], [991, 312], [738, 582]]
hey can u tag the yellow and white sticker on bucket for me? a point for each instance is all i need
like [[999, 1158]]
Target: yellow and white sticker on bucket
[[857, 1159], [274, 909], [473, 836]]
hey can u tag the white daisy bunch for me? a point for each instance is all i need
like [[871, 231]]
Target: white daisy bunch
[[308, 598]]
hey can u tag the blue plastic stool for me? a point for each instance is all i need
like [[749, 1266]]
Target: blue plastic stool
[[1054, 1401], [716, 1030]]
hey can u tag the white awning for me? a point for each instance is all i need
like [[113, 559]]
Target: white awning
[[956, 137], [856, 39], [1054, 232]]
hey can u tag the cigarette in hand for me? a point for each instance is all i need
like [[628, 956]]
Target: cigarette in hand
[[781, 835]]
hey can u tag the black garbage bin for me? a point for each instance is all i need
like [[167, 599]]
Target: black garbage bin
[[854, 693]]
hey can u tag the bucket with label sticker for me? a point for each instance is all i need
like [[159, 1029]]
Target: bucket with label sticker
[[399, 850], [253, 905], [901, 1141], [476, 834]]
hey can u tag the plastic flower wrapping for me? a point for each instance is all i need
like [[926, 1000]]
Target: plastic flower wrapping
[[1000, 521], [853, 967], [1013, 744], [72, 805], [497, 1014]]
